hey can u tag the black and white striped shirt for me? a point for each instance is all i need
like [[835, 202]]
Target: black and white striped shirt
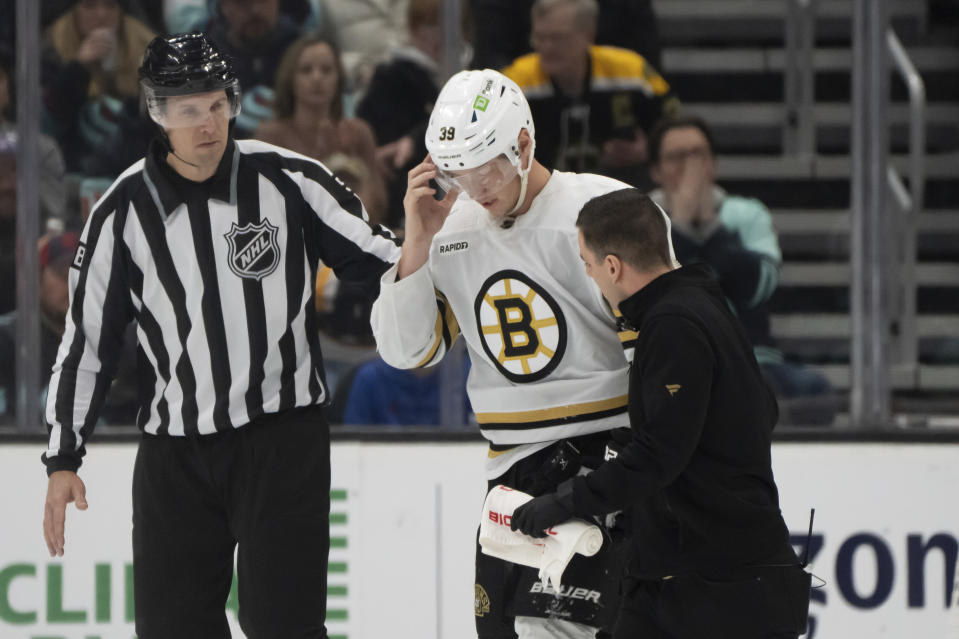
[[220, 279]]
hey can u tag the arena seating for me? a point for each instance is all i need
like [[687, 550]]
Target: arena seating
[[726, 59]]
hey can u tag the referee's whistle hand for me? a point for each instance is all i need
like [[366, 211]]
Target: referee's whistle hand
[[63, 487]]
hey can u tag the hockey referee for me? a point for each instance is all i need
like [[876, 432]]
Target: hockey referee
[[211, 245]]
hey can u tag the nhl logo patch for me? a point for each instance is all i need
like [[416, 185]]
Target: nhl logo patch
[[254, 251]]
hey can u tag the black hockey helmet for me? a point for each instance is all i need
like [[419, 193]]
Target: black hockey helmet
[[184, 65]]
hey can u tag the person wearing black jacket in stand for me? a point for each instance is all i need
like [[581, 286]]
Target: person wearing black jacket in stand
[[711, 552], [399, 100]]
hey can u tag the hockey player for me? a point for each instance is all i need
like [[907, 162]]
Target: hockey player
[[496, 260]]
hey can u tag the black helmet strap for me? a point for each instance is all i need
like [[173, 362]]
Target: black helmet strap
[[164, 139]]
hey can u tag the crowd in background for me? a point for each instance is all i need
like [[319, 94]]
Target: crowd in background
[[351, 83]]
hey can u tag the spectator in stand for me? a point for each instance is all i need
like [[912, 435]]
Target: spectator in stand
[[378, 394], [55, 258], [501, 28], [8, 223], [366, 31], [309, 114], [52, 191], [127, 143], [8, 21], [149, 12], [255, 36], [735, 236], [356, 174], [90, 65], [399, 99], [183, 16], [343, 308], [498, 31], [630, 24], [592, 103]]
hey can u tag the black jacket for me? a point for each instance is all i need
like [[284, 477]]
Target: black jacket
[[740, 274], [400, 99], [697, 472], [398, 102]]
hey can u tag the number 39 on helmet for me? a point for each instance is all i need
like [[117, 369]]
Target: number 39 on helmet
[[477, 118]]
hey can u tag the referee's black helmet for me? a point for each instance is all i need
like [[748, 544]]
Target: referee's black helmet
[[184, 65]]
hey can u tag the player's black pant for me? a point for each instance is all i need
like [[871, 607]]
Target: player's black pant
[[758, 603], [264, 488], [589, 594]]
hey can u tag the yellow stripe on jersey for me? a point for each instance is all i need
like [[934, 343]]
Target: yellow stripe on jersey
[[546, 414], [452, 325], [625, 335], [496, 453], [437, 340], [447, 319]]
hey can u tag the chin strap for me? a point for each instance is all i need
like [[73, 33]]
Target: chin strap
[[195, 166], [165, 141], [510, 218]]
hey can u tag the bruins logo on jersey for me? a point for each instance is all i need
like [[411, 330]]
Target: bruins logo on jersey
[[521, 326]]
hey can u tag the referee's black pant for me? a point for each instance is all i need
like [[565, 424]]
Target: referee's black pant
[[264, 488]]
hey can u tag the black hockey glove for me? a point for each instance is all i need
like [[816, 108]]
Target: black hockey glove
[[537, 515]]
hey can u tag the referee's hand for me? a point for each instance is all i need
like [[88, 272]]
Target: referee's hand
[[63, 487]]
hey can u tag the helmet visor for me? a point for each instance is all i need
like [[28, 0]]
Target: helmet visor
[[194, 109], [484, 180]]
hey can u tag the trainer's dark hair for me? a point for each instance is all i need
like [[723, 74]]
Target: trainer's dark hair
[[629, 225], [665, 125]]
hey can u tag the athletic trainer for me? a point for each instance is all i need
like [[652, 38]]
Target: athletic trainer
[[711, 553]]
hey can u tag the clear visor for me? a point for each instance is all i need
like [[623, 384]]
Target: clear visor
[[186, 111], [483, 180]]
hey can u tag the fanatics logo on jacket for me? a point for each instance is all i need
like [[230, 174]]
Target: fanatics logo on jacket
[[254, 252]]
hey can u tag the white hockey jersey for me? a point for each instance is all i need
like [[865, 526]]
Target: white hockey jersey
[[547, 360]]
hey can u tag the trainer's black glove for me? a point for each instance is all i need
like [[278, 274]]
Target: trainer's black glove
[[537, 515]]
